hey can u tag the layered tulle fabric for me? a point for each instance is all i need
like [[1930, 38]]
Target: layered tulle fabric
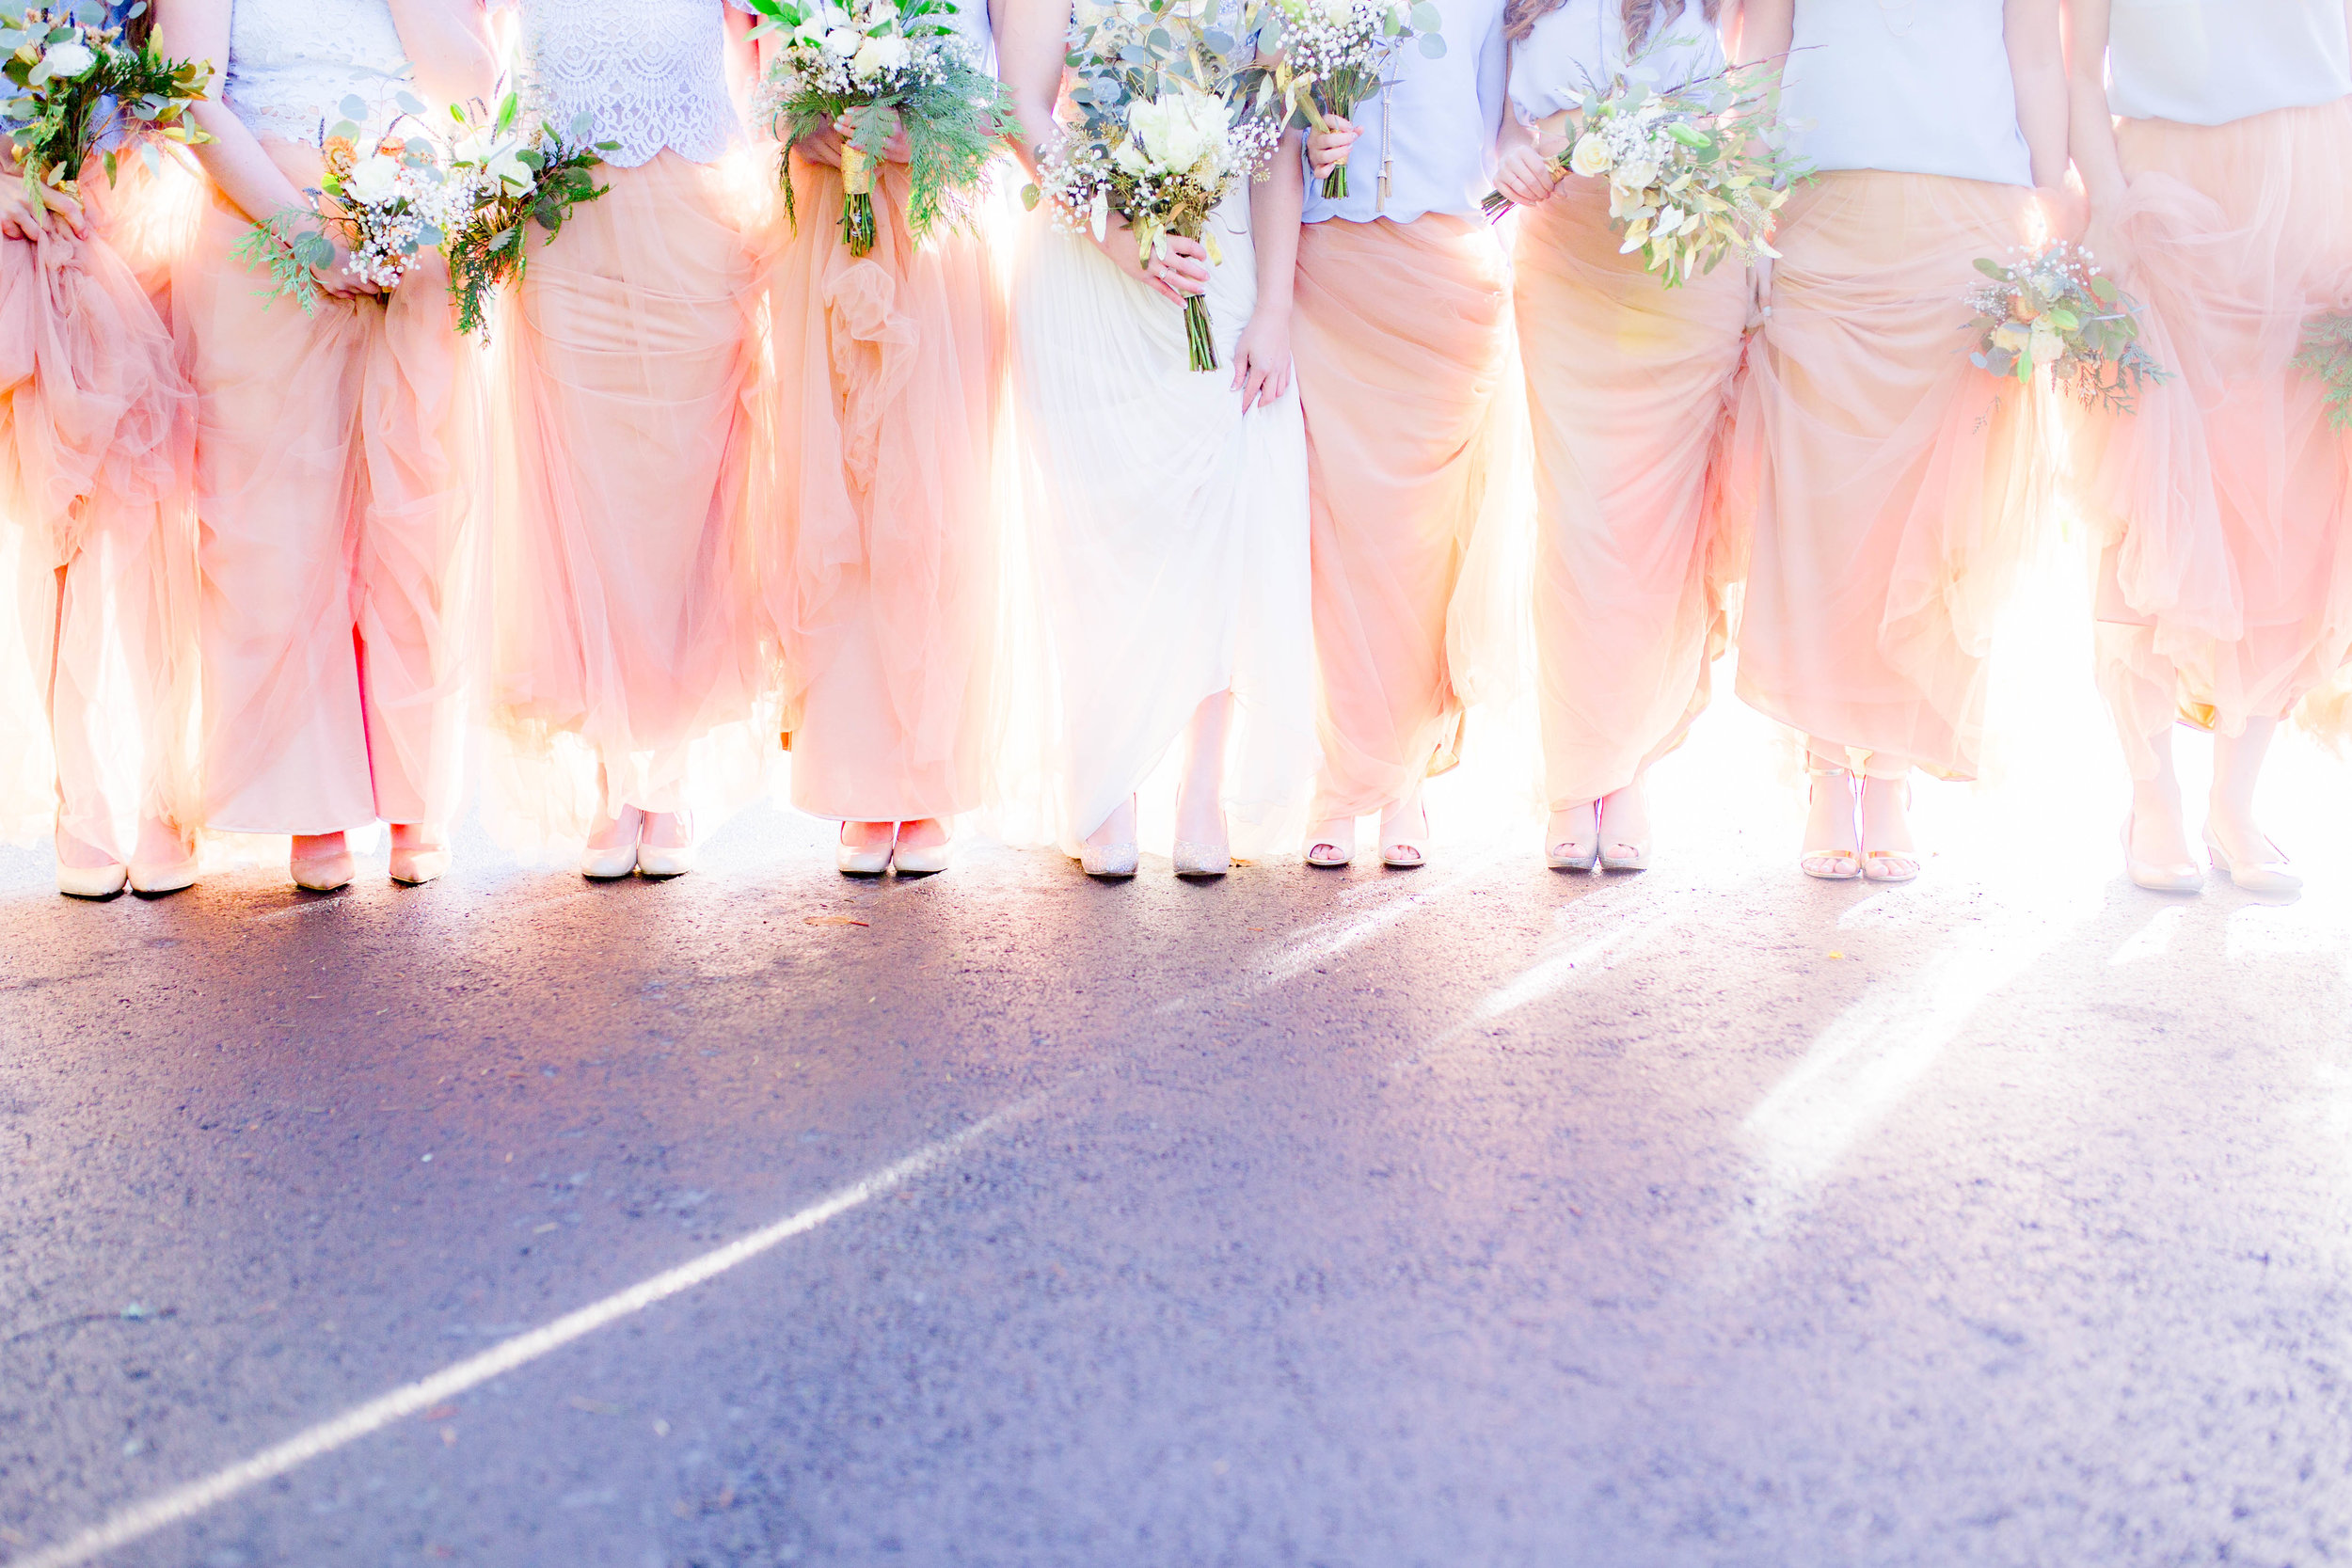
[[1402, 334], [1893, 489], [2225, 500], [630, 658], [337, 488], [1630, 388], [98, 660], [1167, 530], [882, 573]]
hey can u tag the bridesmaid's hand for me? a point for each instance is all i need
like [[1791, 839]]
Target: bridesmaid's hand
[[1178, 270], [895, 150], [1525, 176], [336, 280], [821, 146], [1328, 149], [1262, 360]]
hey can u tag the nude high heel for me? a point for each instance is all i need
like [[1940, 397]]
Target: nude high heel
[[666, 860], [2270, 876], [1332, 844], [324, 867], [871, 860], [1405, 852], [2182, 876], [919, 860], [88, 881], [414, 864], [1833, 863], [1581, 852], [1622, 853], [611, 860]]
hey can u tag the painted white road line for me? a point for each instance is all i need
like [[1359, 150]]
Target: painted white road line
[[185, 1502]]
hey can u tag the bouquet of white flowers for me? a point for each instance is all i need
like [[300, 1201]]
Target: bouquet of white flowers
[[512, 178], [885, 65], [1696, 173], [1333, 54], [1172, 113], [389, 202], [78, 89], [2054, 309]]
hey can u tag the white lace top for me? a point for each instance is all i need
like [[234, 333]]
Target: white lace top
[[651, 73], [293, 62]]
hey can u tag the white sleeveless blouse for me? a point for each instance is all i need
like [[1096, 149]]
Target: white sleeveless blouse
[[650, 73], [1913, 86], [1434, 123], [1582, 44], [293, 62], [2208, 62]]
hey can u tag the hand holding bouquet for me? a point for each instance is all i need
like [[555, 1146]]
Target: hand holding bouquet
[[80, 91], [387, 202], [510, 179], [1172, 113], [1694, 174], [2053, 308], [875, 69], [1333, 54], [2327, 354]]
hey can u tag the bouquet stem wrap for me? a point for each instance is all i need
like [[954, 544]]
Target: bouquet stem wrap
[[1196, 338], [857, 199]]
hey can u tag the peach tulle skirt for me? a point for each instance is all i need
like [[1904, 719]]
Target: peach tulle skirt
[[628, 655], [1403, 337], [337, 466], [2226, 501], [884, 550], [98, 665], [1895, 490], [1630, 388]]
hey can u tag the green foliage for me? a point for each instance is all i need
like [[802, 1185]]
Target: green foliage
[[490, 249], [2327, 356], [79, 90], [2054, 309], [292, 246], [954, 129]]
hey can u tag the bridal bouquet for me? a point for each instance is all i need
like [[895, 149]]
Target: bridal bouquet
[[78, 89], [2053, 308], [1696, 172], [1172, 113], [510, 179], [1334, 52], [884, 66], [389, 202], [2327, 353]]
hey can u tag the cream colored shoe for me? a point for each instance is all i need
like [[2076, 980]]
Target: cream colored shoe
[[871, 861], [665, 860], [616, 857]]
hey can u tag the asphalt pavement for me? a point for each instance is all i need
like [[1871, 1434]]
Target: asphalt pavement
[[1478, 1215]]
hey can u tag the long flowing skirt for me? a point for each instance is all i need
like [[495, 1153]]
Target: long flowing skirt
[[98, 661], [1167, 529], [1630, 388], [1403, 344], [337, 487], [881, 583], [2225, 502], [1895, 489], [628, 658]]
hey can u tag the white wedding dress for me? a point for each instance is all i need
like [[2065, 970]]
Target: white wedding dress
[[1166, 534]]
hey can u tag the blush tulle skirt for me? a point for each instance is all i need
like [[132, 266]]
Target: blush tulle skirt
[[629, 663], [338, 484], [99, 626], [1892, 491], [1630, 388], [1403, 335], [2225, 502], [882, 550]]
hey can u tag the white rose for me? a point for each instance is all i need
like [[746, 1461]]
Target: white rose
[[1178, 129], [475, 148], [1591, 157], [842, 42], [373, 178], [878, 56], [69, 61], [1633, 179], [511, 172], [2047, 345]]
